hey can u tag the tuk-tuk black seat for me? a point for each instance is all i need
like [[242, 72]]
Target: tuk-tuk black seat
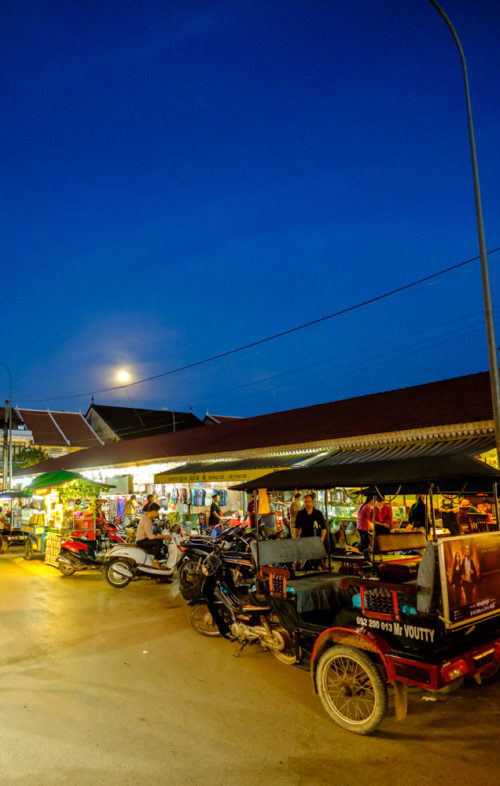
[[285, 551], [314, 591]]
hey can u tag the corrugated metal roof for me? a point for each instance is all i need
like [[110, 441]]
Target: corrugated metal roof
[[468, 447], [287, 460]]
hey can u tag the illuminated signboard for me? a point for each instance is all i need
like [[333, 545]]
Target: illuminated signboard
[[470, 577]]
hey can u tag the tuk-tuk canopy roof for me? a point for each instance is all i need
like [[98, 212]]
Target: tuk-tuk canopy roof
[[450, 474]]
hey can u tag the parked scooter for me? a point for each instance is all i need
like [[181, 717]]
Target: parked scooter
[[227, 610], [127, 562], [84, 553], [236, 554]]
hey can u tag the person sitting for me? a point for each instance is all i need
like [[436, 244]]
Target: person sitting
[[144, 537]]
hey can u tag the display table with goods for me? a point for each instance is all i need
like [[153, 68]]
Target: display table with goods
[[406, 612]]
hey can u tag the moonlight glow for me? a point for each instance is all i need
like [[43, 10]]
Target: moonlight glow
[[123, 376]]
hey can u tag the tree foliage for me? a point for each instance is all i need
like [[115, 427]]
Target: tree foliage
[[29, 456]]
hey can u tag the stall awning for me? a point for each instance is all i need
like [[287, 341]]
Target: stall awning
[[237, 471], [411, 475], [464, 447]]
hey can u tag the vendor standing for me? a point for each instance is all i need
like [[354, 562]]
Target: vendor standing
[[268, 520], [383, 517], [215, 517], [417, 516], [365, 523], [309, 522]]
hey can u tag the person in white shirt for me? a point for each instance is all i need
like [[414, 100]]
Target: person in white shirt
[[144, 537]]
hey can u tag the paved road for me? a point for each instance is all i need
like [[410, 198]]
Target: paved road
[[104, 686]]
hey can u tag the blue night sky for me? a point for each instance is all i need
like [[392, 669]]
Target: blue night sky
[[183, 177]]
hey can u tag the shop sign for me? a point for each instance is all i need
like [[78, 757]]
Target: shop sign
[[229, 476]]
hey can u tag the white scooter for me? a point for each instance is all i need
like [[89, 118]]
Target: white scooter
[[126, 562]]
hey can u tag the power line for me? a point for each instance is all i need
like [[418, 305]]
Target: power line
[[275, 336], [290, 372]]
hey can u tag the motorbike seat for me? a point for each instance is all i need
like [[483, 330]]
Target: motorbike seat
[[256, 608]]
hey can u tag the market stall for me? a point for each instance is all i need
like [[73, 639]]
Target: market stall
[[69, 503]]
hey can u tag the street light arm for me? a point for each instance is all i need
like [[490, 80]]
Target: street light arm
[[483, 254]]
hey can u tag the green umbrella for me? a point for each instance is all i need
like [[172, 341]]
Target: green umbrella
[[59, 477]]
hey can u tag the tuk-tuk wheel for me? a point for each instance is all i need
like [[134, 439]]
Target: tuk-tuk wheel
[[29, 552], [351, 689], [4, 544]]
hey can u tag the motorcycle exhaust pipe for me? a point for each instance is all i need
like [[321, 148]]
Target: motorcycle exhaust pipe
[[123, 569], [66, 561]]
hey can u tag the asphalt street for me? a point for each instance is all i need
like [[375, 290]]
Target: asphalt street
[[106, 686]]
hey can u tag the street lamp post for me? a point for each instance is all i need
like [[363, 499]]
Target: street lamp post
[[483, 255], [7, 434]]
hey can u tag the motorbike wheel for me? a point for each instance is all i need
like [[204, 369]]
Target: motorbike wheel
[[351, 689], [116, 579], [66, 570], [202, 621], [286, 652], [4, 544], [29, 552], [189, 574]]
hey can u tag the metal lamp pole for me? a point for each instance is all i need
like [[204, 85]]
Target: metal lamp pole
[[488, 309], [7, 435]]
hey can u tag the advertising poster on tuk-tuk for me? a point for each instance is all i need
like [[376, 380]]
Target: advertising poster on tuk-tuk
[[470, 576]]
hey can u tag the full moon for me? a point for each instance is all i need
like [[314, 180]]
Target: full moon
[[123, 375]]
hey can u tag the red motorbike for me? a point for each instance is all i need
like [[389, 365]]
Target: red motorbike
[[87, 547]]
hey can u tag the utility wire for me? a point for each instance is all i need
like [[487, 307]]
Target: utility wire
[[275, 336]]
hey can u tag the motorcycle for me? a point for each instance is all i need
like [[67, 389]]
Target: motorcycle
[[127, 562], [236, 554], [226, 611], [81, 552]]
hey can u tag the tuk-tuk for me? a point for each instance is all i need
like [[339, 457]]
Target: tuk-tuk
[[414, 609]]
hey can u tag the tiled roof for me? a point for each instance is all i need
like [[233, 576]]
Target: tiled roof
[[76, 429], [59, 429], [460, 400], [43, 428], [218, 418], [131, 423]]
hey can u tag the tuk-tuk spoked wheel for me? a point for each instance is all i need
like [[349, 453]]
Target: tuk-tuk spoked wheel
[[351, 689], [29, 552]]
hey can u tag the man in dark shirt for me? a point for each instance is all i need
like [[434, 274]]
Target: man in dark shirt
[[215, 518], [309, 521]]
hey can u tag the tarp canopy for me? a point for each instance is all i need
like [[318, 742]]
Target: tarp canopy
[[15, 494], [451, 474], [57, 478]]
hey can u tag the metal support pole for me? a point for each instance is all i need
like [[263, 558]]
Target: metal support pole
[[7, 435], [488, 308], [433, 518], [374, 514], [328, 533], [495, 493], [5, 446]]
